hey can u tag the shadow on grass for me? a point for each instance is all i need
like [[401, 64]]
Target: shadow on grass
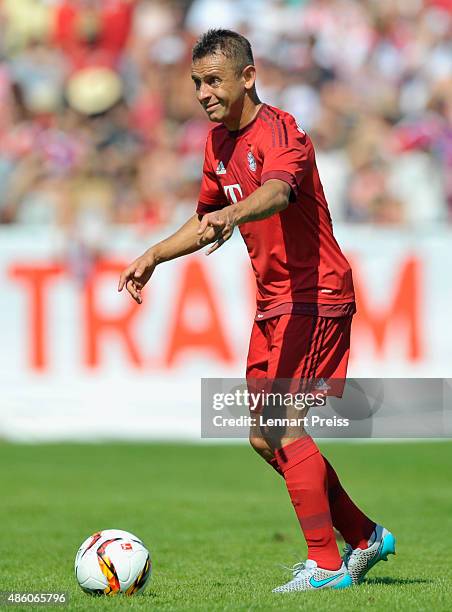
[[397, 581]]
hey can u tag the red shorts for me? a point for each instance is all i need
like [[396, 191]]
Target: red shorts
[[300, 347]]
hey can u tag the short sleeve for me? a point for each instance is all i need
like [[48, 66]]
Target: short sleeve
[[285, 152], [211, 195]]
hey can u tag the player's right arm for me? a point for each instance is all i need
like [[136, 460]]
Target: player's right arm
[[182, 242]]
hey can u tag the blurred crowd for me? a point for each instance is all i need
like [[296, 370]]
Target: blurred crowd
[[99, 123]]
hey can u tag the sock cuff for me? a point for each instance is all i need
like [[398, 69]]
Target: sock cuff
[[294, 453]]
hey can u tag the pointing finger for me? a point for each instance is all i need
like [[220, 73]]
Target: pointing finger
[[122, 280]]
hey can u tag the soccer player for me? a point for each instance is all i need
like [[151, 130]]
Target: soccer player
[[260, 175]]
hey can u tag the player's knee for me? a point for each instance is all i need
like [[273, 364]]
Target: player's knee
[[260, 446]]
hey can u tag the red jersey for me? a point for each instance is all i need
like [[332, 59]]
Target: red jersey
[[295, 257]]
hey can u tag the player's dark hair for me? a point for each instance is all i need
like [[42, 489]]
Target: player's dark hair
[[232, 45]]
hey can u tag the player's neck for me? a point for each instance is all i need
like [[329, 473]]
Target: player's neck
[[251, 106]]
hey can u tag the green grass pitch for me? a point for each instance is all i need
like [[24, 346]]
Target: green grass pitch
[[219, 523]]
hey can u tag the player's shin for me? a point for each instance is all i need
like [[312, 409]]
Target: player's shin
[[305, 474]]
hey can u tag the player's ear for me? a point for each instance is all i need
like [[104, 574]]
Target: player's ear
[[249, 76]]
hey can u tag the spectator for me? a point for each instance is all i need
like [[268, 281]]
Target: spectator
[[99, 123]]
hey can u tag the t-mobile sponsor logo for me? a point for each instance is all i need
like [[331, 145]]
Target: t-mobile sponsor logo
[[231, 192]]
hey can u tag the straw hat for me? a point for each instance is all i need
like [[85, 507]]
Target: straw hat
[[93, 90]]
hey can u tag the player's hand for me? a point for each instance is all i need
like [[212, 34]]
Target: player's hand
[[137, 275], [216, 227]]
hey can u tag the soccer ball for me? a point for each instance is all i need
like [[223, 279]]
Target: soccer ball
[[111, 562]]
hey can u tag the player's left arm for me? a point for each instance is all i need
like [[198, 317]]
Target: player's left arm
[[270, 198]]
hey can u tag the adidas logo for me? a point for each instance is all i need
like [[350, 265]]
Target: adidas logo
[[322, 385], [220, 168]]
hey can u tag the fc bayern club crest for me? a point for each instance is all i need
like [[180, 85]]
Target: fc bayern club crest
[[251, 161]]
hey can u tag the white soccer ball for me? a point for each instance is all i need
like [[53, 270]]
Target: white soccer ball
[[111, 562]]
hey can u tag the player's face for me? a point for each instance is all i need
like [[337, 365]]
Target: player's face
[[220, 90]]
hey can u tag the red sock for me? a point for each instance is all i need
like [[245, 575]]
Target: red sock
[[354, 526], [306, 480]]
